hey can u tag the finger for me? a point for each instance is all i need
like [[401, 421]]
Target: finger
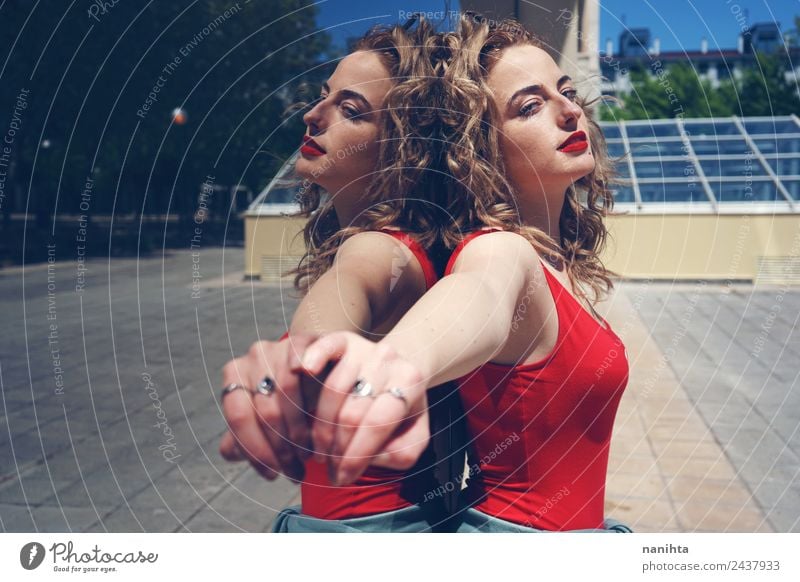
[[326, 349], [382, 419], [336, 389], [298, 344], [310, 389], [269, 361], [274, 429], [290, 399], [350, 416], [406, 445], [241, 417], [235, 372], [354, 409], [229, 450]]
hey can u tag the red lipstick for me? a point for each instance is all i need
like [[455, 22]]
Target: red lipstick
[[575, 143], [310, 147]]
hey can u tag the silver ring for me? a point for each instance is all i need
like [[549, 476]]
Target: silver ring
[[362, 388], [230, 388], [266, 386], [399, 394]]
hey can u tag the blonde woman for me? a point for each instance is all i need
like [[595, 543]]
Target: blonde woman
[[540, 372], [367, 146]]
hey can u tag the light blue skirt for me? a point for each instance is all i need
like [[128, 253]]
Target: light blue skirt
[[473, 521], [413, 519]]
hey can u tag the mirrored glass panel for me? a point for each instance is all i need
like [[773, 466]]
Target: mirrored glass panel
[[673, 192], [611, 131], [771, 126], [790, 145], [746, 191], [615, 148], [656, 129], [793, 186], [658, 149], [711, 128], [622, 169], [713, 147], [744, 167], [624, 195], [785, 165], [655, 169]]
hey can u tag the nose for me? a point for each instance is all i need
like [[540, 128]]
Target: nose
[[314, 119], [569, 113]]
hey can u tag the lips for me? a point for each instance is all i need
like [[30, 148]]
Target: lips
[[310, 147], [575, 143]]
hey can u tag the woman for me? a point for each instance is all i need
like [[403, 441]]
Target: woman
[[366, 264], [541, 374]]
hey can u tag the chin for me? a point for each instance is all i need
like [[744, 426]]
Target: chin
[[303, 167], [584, 169]]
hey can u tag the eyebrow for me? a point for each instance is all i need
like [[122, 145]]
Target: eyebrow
[[533, 89], [349, 94]]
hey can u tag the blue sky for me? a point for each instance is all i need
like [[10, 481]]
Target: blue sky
[[680, 24]]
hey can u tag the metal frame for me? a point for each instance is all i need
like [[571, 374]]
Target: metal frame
[[688, 141]]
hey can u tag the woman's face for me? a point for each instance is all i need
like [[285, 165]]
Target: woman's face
[[539, 120], [339, 150]]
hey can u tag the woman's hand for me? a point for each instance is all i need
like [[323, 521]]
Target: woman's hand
[[268, 427], [370, 393]]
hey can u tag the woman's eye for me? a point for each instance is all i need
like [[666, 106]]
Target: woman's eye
[[570, 94], [351, 112], [529, 108]]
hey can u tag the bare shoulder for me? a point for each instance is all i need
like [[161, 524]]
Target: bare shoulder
[[372, 246], [381, 259], [497, 250]]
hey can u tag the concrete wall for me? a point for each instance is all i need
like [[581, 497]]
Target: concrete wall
[[642, 246], [271, 244], [704, 246]]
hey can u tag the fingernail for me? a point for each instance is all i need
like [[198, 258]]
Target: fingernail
[[309, 361], [343, 477]]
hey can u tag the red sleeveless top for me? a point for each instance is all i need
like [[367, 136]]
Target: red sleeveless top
[[542, 430], [378, 490]]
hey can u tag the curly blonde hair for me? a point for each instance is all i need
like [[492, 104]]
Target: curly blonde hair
[[402, 192], [475, 154]]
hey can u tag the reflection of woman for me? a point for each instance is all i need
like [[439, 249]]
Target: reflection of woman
[[541, 373], [366, 264]]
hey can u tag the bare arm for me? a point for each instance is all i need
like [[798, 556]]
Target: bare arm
[[355, 293], [465, 319], [272, 431], [460, 324]]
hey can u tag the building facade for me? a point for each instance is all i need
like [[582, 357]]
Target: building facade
[[636, 49]]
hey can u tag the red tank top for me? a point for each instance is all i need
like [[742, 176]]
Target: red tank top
[[378, 490], [542, 430]]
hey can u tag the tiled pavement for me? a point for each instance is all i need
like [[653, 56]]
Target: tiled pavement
[[706, 436]]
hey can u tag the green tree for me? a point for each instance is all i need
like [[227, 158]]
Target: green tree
[[240, 66], [668, 92], [764, 89]]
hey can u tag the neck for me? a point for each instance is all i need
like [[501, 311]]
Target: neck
[[543, 211], [348, 209]]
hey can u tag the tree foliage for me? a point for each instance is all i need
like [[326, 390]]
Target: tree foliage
[[103, 84], [763, 89]]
